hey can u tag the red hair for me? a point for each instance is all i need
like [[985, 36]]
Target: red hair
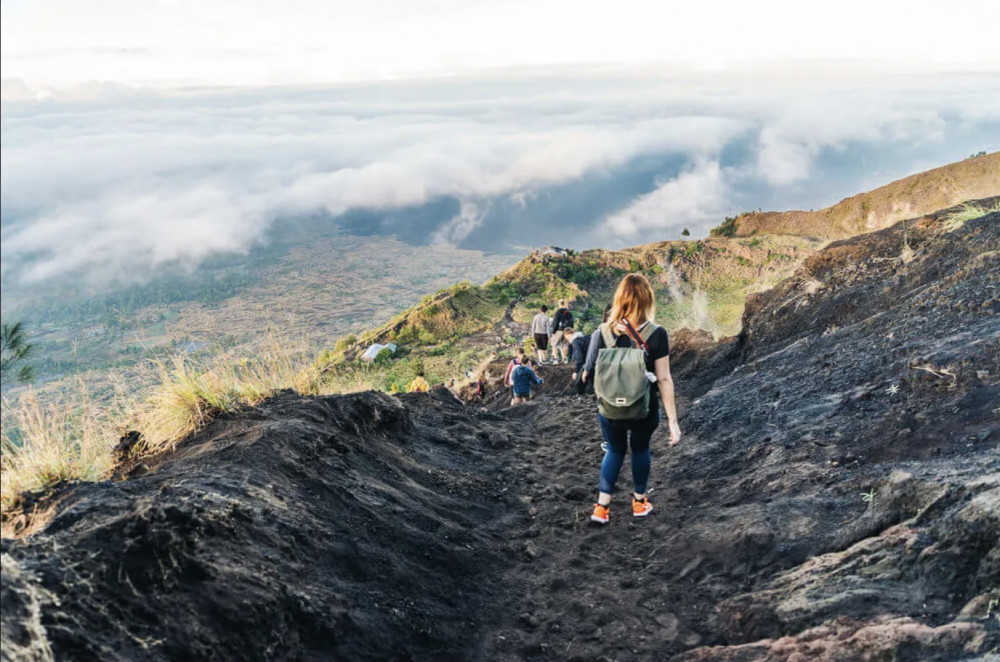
[[634, 301]]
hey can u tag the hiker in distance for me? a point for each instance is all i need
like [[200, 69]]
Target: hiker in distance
[[579, 344], [523, 378], [562, 320], [540, 331], [629, 359], [419, 384], [520, 356]]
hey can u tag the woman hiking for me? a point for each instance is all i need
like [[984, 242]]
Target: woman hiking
[[627, 345]]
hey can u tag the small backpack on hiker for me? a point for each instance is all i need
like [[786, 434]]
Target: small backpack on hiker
[[563, 319], [621, 381]]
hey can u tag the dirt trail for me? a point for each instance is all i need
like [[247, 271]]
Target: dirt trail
[[837, 494], [836, 497]]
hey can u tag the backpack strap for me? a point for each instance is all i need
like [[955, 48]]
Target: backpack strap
[[636, 337], [647, 331], [609, 337]]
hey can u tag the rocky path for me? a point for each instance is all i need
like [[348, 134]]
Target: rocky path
[[594, 591], [741, 564]]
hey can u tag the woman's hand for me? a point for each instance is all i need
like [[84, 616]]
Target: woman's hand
[[675, 433]]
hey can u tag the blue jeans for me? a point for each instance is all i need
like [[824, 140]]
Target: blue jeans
[[620, 435]]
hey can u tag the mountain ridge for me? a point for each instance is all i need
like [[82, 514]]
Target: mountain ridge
[[910, 197]]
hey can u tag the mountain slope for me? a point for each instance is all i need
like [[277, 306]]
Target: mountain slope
[[916, 195], [699, 284], [836, 497]]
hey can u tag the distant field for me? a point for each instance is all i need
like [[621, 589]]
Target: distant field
[[312, 292]]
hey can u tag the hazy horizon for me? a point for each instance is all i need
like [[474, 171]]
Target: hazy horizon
[[147, 133]]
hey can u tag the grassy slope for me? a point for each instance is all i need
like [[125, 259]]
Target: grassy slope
[[910, 197], [698, 284]]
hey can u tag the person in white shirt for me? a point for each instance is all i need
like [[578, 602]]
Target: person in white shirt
[[540, 331]]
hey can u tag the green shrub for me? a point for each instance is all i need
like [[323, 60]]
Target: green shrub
[[441, 350], [343, 343], [727, 228], [692, 248], [384, 357], [460, 287]]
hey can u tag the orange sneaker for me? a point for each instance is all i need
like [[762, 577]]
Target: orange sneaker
[[600, 514], [641, 508]]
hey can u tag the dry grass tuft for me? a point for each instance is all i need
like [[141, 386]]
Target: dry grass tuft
[[968, 212], [812, 286], [73, 439], [22, 525], [188, 395], [46, 443]]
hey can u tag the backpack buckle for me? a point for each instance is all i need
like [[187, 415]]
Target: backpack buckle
[[620, 402]]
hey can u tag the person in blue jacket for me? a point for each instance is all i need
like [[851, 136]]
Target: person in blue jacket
[[523, 377]]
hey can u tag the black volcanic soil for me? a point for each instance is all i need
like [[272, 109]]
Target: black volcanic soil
[[836, 497]]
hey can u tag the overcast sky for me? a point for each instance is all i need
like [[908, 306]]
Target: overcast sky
[[139, 132], [162, 43]]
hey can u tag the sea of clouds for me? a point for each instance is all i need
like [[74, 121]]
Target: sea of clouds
[[108, 188]]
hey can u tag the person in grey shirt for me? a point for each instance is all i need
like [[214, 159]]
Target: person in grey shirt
[[540, 331]]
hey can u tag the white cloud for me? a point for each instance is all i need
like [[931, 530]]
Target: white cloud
[[140, 231], [469, 217], [106, 190], [696, 197], [783, 161]]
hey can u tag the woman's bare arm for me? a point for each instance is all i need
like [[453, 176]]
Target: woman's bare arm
[[666, 382]]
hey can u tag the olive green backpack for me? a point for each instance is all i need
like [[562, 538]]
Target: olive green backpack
[[620, 380]]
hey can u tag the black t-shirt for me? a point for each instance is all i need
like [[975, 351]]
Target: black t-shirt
[[658, 343], [578, 350]]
